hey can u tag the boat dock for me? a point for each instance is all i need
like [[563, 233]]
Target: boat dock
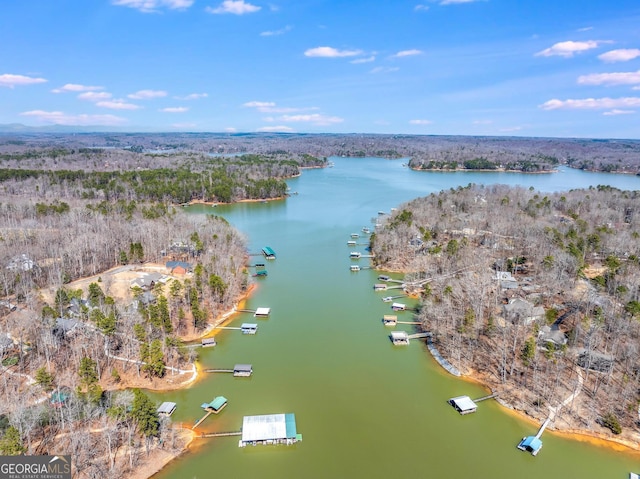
[[466, 405], [268, 252], [239, 370], [533, 444]]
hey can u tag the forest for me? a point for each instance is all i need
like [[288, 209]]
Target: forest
[[537, 295]]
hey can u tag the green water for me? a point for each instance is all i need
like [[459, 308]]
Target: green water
[[364, 407]]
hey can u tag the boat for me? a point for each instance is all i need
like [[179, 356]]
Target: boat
[[387, 299], [366, 230]]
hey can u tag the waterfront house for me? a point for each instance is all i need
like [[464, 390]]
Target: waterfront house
[[269, 429], [523, 310]]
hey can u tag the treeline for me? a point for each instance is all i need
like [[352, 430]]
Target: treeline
[[530, 291], [220, 180]]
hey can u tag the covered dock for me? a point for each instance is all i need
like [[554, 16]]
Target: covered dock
[[463, 404], [269, 429], [389, 319], [208, 342], [399, 338], [249, 328], [262, 313], [354, 267], [166, 408], [398, 306], [530, 444], [242, 370], [379, 287], [268, 252], [215, 406]]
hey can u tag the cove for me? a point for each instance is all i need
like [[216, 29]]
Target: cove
[[365, 408]]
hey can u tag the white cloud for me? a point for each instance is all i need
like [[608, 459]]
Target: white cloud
[[420, 122], [174, 109], [315, 118], [384, 69], [357, 61], [421, 8], [510, 128], [452, 2], [9, 80], [621, 55], [618, 78], [330, 52], [363, 60], [276, 129], [230, 129], [94, 96], [236, 7], [585, 29], [616, 112], [74, 87], [636, 88], [183, 126], [117, 105], [592, 104], [259, 104], [407, 53], [482, 122], [273, 33], [147, 94], [148, 6], [60, 118], [192, 96], [569, 48]]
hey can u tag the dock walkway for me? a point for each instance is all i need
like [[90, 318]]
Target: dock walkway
[[221, 434]]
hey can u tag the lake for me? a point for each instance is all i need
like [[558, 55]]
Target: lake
[[365, 408]]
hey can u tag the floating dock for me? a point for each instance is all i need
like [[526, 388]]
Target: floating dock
[[351, 243], [379, 287], [269, 429], [355, 255], [166, 408], [249, 328], [399, 306], [354, 267], [260, 273], [208, 342], [399, 338], [239, 370], [262, 313], [389, 320], [268, 252], [463, 404], [533, 444], [213, 407]]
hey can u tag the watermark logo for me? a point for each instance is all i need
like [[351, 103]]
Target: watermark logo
[[35, 467]]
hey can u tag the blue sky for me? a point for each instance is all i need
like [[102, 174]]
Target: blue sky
[[561, 68]]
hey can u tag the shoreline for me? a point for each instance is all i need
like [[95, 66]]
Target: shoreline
[[482, 170]]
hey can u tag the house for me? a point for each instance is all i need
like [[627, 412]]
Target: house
[[179, 267], [523, 310], [148, 281], [269, 429], [595, 361], [67, 327], [506, 280], [552, 334], [21, 263], [6, 343]]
